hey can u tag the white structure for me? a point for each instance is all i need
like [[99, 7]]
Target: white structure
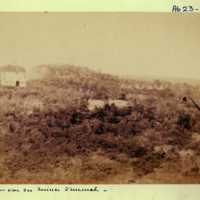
[[149, 87], [100, 104], [95, 103], [126, 86], [118, 103], [161, 88], [155, 87], [143, 86], [137, 86], [13, 79], [142, 97]]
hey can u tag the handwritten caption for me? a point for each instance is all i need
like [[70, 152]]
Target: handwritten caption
[[184, 9], [48, 189]]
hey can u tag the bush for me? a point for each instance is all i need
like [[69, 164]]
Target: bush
[[185, 120]]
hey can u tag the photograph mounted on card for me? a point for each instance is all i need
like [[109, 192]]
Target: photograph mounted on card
[[99, 97]]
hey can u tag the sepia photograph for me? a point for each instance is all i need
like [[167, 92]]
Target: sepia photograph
[[99, 98]]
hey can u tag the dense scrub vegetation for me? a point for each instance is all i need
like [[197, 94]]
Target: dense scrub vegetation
[[11, 68], [48, 133]]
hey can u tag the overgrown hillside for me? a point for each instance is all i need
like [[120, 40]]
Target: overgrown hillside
[[48, 135], [94, 85], [11, 68]]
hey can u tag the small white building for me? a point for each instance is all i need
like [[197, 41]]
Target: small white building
[[15, 79]]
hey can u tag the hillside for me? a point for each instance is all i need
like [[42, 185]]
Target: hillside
[[49, 136], [95, 85], [11, 68], [193, 82]]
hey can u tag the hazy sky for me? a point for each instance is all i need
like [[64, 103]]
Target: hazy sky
[[164, 44]]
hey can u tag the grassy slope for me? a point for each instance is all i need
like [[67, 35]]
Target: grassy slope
[[49, 136]]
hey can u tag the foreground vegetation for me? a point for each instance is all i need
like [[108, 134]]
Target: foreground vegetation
[[48, 136]]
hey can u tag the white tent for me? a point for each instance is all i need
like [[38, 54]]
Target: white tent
[[143, 86], [161, 88], [137, 86], [155, 87], [149, 87]]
